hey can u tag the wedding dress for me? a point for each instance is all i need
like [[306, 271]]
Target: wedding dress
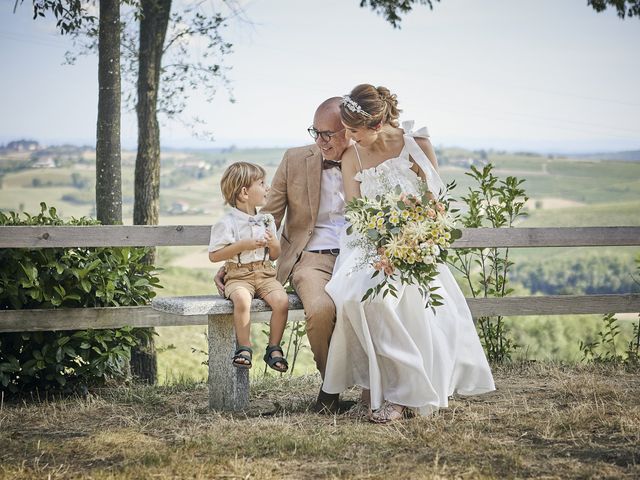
[[400, 350]]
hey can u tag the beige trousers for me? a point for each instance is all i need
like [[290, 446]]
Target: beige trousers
[[309, 276]]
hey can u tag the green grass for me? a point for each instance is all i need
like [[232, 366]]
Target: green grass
[[600, 215], [611, 170], [518, 162]]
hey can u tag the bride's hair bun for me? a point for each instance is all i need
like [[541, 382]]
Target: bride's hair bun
[[376, 106], [391, 100]]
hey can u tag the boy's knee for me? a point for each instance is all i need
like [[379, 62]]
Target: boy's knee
[[277, 300], [241, 300], [281, 302]]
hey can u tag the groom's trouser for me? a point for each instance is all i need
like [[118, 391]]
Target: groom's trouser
[[310, 274]]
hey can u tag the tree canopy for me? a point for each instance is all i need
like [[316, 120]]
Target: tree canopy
[[392, 10], [70, 15], [624, 8]]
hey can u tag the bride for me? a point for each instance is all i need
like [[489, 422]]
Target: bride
[[408, 358]]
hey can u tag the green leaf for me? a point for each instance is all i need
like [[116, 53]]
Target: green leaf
[[85, 284], [70, 351]]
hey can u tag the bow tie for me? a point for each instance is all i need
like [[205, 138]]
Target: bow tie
[[330, 164], [257, 220]]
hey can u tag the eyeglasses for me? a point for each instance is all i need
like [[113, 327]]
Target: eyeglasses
[[326, 136]]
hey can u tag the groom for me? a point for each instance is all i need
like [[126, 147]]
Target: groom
[[307, 193]]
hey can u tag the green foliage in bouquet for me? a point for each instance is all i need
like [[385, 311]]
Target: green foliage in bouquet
[[404, 238], [491, 203], [68, 278]]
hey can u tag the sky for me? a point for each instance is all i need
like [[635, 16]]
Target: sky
[[538, 75]]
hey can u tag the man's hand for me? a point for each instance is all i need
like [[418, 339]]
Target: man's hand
[[219, 281]]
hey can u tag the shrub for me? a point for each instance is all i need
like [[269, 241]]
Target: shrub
[[67, 278], [494, 203]]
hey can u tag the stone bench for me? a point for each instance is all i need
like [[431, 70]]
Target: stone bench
[[228, 386]]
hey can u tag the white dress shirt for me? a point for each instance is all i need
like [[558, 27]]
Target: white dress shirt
[[330, 221], [237, 225]]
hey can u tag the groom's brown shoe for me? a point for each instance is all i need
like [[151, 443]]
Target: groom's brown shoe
[[327, 403]]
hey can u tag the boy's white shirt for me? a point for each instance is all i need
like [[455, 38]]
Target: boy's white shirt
[[236, 225]]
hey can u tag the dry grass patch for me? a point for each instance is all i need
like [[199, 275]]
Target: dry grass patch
[[545, 421]]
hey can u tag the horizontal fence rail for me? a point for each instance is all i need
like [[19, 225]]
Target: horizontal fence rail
[[190, 235], [164, 311]]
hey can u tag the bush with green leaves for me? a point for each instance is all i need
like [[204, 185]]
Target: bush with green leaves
[[68, 278], [494, 203]]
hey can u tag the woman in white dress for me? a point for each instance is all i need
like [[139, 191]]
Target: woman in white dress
[[409, 358]]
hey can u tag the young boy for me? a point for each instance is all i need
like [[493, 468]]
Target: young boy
[[244, 238]]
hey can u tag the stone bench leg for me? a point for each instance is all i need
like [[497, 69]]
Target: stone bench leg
[[228, 385]]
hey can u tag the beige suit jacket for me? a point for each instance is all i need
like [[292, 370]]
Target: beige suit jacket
[[295, 197]]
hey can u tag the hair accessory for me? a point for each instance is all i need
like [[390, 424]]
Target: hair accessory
[[352, 105]]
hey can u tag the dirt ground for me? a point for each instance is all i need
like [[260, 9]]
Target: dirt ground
[[544, 421]]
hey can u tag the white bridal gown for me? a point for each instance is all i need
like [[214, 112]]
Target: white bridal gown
[[395, 347]]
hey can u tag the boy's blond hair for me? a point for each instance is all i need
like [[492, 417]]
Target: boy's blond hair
[[237, 176]]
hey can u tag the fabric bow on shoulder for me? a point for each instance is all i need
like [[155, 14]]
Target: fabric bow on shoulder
[[407, 126], [436, 185]]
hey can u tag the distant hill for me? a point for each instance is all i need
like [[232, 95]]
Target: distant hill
[[629, 156]]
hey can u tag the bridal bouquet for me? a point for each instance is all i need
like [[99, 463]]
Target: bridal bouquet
[[403, 237]]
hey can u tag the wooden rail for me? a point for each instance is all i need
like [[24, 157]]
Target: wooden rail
[[185, 235], [179, 235], [159, 316]]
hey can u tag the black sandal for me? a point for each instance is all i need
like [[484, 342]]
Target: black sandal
[[239, 356], [271, 361]]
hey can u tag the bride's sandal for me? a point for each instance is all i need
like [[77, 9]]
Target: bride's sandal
[[390, 412]]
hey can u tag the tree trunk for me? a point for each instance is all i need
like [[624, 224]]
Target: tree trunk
[[146, 208], [153, 29], [108, 175], [144, 359]]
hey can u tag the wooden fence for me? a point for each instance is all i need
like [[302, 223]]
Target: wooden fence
[[179, 235]]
